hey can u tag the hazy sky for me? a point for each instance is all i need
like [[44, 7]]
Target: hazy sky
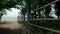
[[12, 13]]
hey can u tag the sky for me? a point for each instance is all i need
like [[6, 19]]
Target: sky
[[53, 12], [12, 13]]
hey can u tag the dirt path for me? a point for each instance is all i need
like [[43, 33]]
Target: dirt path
[[10, 24], [10, 27]]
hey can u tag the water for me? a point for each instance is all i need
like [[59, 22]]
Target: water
[[9, 18]]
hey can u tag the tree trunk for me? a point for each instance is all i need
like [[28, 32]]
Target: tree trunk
[[47, 11], [1, 16], [24, 17], [58, 6]]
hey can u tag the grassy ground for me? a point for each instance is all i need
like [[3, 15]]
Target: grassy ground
[[10, 27]]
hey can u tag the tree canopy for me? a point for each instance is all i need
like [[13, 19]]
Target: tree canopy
[[7, 4], [31, 5]]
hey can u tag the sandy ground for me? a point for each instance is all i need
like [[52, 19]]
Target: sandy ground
[[11, 27], [10, 24]]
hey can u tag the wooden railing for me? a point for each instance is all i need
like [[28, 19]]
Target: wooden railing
[[42, 27], [45, 28], [46, 5], [44, 19]]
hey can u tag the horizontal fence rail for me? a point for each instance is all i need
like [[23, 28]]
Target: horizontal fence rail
[[46, 5], [45, 19], [49, 29]]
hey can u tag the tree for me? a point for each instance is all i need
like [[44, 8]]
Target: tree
[[34, 4], [58, 8], [7, 4], [48, 9]]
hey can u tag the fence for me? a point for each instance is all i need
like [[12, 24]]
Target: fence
[[45, 27], [53, 24]]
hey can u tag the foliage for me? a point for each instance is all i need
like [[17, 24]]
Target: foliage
[[58, 8], [7, 4], [31, 5]]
